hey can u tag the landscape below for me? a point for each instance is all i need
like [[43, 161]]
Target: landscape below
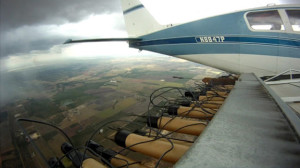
[[79, 95]]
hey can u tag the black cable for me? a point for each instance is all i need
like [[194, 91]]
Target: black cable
[[163, 136], [183, 140], [133, 163], [102, 158], [103, 125], [167, 138], [51, 125], [153, 97], [127, 163], [158, 131], [151, 103], [157, 163], [45, 123], [197, 103], [178, 128], [34, 145], [186, 113], [185, 127]]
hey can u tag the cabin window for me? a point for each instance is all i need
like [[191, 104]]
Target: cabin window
[[265, 20], [294, 17]]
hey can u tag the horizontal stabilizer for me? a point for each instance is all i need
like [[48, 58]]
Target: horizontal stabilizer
[[102, 40]]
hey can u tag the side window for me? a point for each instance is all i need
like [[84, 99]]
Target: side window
[[265, 20], [294, 17]]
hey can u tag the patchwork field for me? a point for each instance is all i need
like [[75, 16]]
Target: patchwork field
[[80, 96]]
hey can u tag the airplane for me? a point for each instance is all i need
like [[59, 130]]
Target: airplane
[[264, 41]]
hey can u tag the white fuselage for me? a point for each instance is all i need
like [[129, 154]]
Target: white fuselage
[[261, 65]]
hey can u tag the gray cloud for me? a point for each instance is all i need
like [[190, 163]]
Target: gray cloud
[[17, 13], [25, 46], [13, 42], [16, 16]]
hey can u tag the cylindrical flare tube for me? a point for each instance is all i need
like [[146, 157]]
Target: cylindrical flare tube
[[150, 147], [177, 124], [92, 163], [191, 112], [113, 157], [204, 98]]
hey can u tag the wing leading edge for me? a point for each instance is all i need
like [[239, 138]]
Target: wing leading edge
[[69, 41]]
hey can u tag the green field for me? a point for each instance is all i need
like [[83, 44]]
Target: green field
[[122, 105], [43, 108], [77, 95], [139, 73]]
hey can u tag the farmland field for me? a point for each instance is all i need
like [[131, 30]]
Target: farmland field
[[82, 95]]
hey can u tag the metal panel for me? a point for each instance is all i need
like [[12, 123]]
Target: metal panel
[[249, 130]]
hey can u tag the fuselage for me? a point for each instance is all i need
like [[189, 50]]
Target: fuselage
[[265, 41]]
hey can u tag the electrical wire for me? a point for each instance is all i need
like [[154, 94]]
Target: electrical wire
[[51, 125], [158, 93]]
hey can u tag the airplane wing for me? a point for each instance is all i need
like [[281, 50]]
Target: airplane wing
[[253, 128], [102, 40]]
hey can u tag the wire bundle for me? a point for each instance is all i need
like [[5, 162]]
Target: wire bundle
[[163, 100]]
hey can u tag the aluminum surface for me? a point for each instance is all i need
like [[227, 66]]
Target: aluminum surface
[[249, 130]]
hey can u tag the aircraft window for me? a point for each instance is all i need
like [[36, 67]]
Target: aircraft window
[[294, 17], [265, 20]]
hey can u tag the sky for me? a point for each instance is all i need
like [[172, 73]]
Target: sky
[[32, 31]]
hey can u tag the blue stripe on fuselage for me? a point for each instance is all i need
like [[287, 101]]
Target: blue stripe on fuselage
[[227, 39], [133, 9], [230, 45], [182, 40], [229, 48], [264, 41]]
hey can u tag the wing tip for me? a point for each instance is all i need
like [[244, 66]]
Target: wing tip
[[68, 41]]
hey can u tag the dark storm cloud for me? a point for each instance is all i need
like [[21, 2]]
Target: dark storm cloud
[[17, 13], [24, 46]]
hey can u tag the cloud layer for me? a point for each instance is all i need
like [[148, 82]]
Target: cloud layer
[[40, 24], [18, 13]]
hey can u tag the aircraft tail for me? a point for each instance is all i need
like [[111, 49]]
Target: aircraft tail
[[138, 20]]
